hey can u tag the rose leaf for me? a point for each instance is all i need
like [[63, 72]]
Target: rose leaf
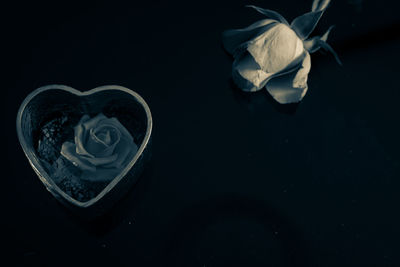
[[328, 48], [305, 24], [93, 122], [313, 44], [270, 13]]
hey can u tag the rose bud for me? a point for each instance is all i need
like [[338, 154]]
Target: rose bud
[[271, 53]]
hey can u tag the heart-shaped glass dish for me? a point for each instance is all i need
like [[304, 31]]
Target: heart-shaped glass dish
[[49, 114]]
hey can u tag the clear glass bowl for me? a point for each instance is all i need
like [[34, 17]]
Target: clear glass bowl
[[46, 119]]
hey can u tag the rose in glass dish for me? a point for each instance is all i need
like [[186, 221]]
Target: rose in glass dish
[[101, 147], [88, 148]]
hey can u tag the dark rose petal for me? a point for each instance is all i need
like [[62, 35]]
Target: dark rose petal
[[107, 134], [93, 146], [99, 136], [103, 146], [68, 150], [90, 124], [124, 132], [125, 150], [80, 140]]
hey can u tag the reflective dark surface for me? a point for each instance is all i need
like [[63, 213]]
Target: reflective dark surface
[[235, 179]]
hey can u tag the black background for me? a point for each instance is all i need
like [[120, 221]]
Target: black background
[[235, 178]]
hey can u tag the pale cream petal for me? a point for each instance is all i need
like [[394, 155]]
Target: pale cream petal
[[291, 87], [126, 150], [232, 39], [276, 48], [102, 161], [247, 74], [300, 80]]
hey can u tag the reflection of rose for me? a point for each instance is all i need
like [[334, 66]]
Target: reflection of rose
[[274, 54], [102, 147]]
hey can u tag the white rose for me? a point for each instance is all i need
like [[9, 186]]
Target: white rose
[[102, 146], [273, 54]]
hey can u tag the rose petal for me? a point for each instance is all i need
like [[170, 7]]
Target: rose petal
[[232, 39], [114, 125], [105, 149], [126, 149], [124, 132], [270, 13], [93, 122], [81, 138], [102, 161], [68, 150], [292, 87], [276, 48], [247, 74], [92, 146]]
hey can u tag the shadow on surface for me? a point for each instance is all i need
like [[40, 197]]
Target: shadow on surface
[[100, 226], [257, 100], [233, 230]]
